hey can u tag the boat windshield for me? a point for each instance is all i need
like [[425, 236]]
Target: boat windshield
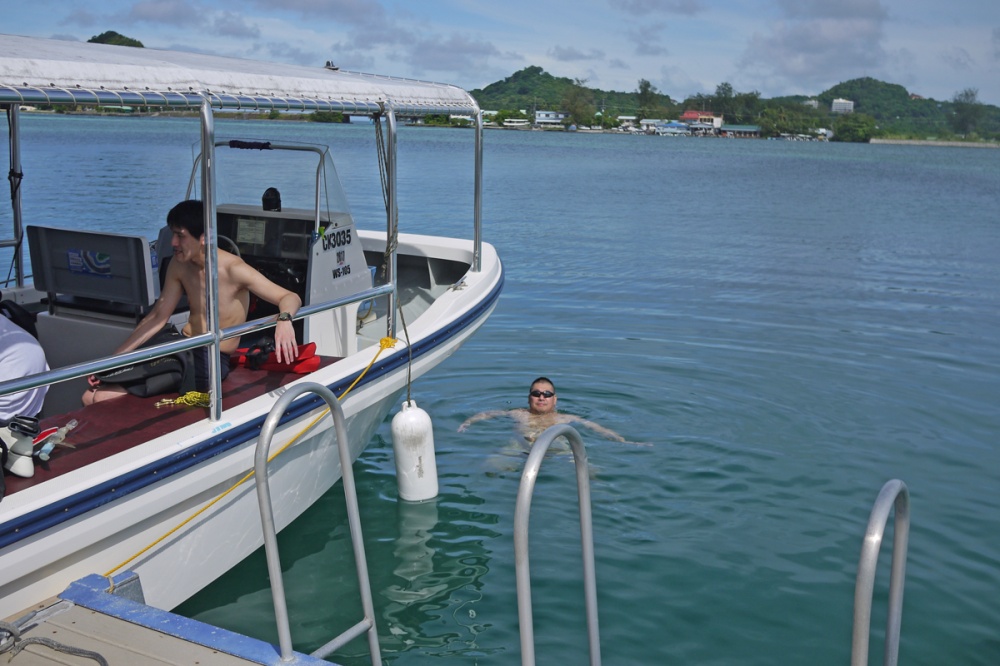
[[303, 175]]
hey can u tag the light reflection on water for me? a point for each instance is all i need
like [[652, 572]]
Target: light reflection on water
[[790, 325]]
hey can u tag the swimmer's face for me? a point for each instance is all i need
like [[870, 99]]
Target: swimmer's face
[[542, 398]]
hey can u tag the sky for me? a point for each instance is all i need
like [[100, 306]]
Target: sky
[[683, 47]]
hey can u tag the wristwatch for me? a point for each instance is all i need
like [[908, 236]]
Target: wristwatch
[[284, 316]]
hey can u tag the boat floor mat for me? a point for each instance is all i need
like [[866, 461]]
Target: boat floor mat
[[112, 426]]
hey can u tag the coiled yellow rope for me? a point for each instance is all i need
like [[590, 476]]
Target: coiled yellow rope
[[384, 343], [189, 399]]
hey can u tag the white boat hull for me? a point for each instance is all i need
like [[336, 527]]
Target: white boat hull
[[182, 562]]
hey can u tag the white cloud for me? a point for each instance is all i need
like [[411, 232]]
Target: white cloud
[[815, 45], [165, 12], [648, 40], [351, 12], [958, 59], [833, 9], [230, 24], [569, 53], [646, 7]]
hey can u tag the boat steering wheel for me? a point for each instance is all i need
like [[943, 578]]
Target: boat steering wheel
[[226, 243]]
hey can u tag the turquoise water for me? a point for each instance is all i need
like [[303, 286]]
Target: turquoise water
[[786, 325]]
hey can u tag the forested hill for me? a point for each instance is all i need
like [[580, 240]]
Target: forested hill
[[532, 88], [891, 106]]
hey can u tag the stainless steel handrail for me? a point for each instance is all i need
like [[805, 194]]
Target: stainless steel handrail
[[211, 238], [148, 353], [14, 112], [367, 624], [477, 225], [893, 494], [521, 568]]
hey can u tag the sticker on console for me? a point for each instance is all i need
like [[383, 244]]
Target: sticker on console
[[89, 262]]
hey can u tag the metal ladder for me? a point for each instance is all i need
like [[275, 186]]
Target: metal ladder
[[367, 624], [521, 511], [893, 494]]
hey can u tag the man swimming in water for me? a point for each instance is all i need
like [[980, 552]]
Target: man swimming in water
[[540, 414]]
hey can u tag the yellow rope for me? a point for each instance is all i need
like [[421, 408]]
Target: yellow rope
[[385, 343], [189, 399]]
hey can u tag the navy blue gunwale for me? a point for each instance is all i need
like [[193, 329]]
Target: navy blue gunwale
[[51, 515]]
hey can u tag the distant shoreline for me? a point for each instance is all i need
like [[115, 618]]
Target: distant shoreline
[[927, 142], [253, 116]]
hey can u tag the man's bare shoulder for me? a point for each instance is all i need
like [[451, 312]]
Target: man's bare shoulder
[[234, 265]]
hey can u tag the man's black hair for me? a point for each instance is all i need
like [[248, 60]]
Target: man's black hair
[[543, 379], [188, 215]]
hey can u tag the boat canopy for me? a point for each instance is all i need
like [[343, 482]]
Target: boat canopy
[[45, 71]]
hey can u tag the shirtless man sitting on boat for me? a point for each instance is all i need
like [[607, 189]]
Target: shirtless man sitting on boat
[[186, 276], [541, 414]]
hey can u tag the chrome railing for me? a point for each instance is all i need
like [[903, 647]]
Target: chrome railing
[[893, 495], [522, 572], [148, 353], [367, 624]]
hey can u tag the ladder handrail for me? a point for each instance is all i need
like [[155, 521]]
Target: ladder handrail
[[893, 494], [521, 567], [367, 624]]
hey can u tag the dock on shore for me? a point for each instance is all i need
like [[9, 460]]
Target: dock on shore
[[86, 624]]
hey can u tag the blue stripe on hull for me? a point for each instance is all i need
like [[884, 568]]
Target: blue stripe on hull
[[68, 508]]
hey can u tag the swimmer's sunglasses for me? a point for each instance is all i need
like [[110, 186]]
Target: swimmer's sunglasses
[[541, 394]]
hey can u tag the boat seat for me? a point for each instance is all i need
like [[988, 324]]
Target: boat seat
[[113, 426], [98, 274]]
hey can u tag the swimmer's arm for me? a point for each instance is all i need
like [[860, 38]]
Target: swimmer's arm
[[481, 416], [599, 429]]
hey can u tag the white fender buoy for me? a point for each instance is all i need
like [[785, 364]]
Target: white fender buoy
[[413, 445]]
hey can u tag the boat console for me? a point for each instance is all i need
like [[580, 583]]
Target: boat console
[[320, 262]]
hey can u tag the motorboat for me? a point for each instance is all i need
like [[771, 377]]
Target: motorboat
[[156, 485]]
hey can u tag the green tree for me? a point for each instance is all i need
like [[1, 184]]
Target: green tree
[[966, 111], [697, 102], [723, 103], [780, 119], [746, 107], [646, 98], [326, 117], [607, 120], [505, 114], [578, 103], [774, 121], [854, 128], [112, 37]]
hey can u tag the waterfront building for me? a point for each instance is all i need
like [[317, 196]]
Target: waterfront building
[[740, 131], [550, 117], [842, 106], [693, 116]]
